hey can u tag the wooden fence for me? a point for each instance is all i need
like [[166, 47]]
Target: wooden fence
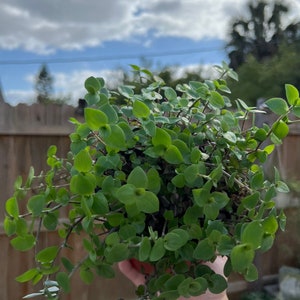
[[26, 132]]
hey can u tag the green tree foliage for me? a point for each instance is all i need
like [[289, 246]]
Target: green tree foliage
[[43, 85], [261, 33], [264, 79]]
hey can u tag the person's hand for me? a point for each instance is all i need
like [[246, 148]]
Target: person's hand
[[138, 278]]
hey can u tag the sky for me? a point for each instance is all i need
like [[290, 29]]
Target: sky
[[81, 38]]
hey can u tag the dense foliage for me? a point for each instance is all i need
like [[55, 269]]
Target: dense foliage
[[263, 79], [171, 177], [261, 32]]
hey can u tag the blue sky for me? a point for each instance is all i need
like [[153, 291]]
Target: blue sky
[[80, 38]]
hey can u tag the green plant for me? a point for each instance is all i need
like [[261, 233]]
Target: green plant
[[173, 177]]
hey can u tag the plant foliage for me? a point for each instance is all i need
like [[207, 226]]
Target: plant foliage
[[173, 177]]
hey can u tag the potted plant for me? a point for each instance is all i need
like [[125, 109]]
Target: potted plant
[[171, 178]]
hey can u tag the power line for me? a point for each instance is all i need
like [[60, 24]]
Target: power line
[[66, 60]]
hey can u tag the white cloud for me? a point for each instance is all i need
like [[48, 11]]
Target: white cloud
[[20, 96], [48, 25]]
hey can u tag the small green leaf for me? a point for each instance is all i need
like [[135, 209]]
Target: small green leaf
[[12, 208], [83, 161], [154, 180], [257, 180], [110, 112], [83, 184], [23, 243], [282, 220], [91, 98], [67, 264], [86, 275], [179, 180], [138, 178], [277, 106], [251, 273], [36, 204], [64, 281], [147, 202], [280, 129], [116, 253], [140, 109], [252, 234], [218, 284], [126, 91], [47, 255], [251, 200], [161, 138], [292, 94], [27, 276], [201, 196], [116, 139], [173, 155], [270, 225], [282, 187], [9, 226], [92, 85], [241, 257], [204, 250], [50, 221], [170, 93], [216, 100], [175, 239], [230, 137], [144, 249], [158, 250], [95, 118]]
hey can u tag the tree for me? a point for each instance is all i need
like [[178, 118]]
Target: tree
[[264, 79], [261, 34], [43, 85]]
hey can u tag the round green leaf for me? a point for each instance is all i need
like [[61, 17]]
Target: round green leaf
[[83, 161], [138, 178], [92, 85], [158, 250], [161, 138], [47, 255], [27, 276], [216, 100], [12, 208], [277, 106], [95, 118], [252, 234], [270, 225], [140, 109], [144, 249], [83, 184], [147, 202], [116, 138], [117, 253], [292, 94], [204, 250], [173, 155], [241, 257], [170, 94], [250, 201], [23, 243], [36, 204], [64, 281], [175, 239], [218, 284], [280, 129], [154, 180]]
